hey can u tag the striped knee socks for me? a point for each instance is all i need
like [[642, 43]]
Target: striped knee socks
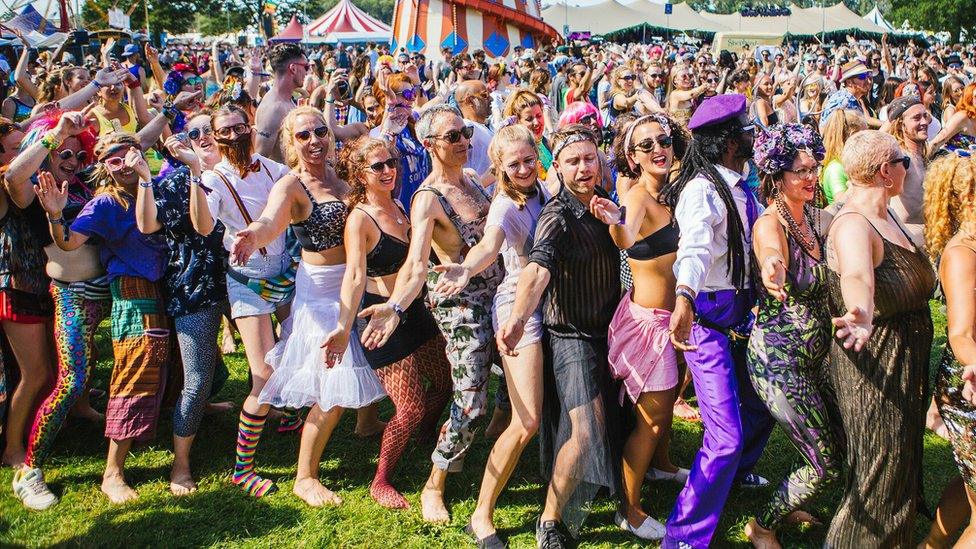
[[248, 435]]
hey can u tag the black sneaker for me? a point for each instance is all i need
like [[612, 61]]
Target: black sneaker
[[551, 534]]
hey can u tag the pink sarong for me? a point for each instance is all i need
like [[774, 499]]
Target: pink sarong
[[641, 353]]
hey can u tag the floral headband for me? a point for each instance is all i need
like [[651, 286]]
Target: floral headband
[[777, 147], [656, 117]]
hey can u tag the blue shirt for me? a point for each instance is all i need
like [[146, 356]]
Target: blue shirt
[[840, 99], [124, 250]]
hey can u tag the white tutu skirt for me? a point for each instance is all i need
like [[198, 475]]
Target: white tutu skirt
[[300, 377]]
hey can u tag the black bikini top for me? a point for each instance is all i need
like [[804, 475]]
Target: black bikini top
[[322, 229], [389, 253], [661, 242]]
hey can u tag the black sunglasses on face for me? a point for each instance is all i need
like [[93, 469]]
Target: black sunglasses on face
[[655, 74], [319, 132], [712, 80], [588, 119], [196, 133], [66, 154], [647, 145], [628, 77], [905, 161], [454, 136], [377, 167]]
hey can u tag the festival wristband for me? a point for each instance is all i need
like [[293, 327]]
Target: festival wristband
[[146, 184], [50, 141], [681, 292], [396, 309]]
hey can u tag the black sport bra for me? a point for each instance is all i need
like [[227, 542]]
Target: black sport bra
[[322, 229], [389, 253], [661, 242]]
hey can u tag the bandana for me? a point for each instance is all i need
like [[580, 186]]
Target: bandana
[[573, 138], [630, 133]]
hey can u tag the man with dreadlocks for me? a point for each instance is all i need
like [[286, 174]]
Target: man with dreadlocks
[[715, 210]]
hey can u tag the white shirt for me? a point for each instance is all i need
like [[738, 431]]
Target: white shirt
[[253, 190], [518, 226], [703, 248], [478, 155]]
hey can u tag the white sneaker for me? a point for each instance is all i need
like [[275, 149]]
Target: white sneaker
[[650, 529], [680, 476], [29, 487]]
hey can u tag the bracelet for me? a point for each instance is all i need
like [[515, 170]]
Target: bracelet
[[55, 221], [396, 309], [95, 82], [194, 180], [681, 292], [50, 141], [330, 101], [146, 184]]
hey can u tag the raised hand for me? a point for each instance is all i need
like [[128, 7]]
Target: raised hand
[[854, 328], [111, 75], [74, 122], [181, 151], [454, 277], [774, 277], [334, 346], [152, 54], [605, 210], [245, 242], [383, 320], [51, 197], [137, 163], [187, 100]]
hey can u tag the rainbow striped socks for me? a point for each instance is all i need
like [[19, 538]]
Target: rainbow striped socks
[[291, 421], [248, 435]]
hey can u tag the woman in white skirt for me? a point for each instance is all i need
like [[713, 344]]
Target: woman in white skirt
[[311, 199], [519, 198]]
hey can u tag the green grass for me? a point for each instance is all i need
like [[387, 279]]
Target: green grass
[[220, 515]]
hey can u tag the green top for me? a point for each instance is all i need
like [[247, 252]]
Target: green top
[[833, 179]]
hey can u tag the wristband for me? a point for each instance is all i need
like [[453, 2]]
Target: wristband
[[623, 215], [397, 309], [95, 82], [133, 84], [681, 292], [146, 184], [50, 141]]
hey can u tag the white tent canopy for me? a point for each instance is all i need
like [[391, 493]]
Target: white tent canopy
[[874, 16], [347, 23]]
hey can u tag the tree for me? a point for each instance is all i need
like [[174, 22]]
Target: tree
[[936, 15], [168, 15]]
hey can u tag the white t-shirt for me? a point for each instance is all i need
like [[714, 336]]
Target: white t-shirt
[[253, 190], [519, 229], [478, 155]]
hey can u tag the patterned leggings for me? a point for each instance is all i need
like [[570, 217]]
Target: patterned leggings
[[196, 334], [797, 400], [416, 409], [76, 318]]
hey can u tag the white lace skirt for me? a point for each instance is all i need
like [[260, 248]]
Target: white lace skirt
[[300, 376]]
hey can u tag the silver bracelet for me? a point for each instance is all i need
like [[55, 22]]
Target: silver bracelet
[[146, 184]]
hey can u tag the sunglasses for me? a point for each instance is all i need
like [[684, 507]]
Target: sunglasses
[[588, 119], [114, 163], [647, 145], [305, 135], [193, 81], [454, 136], [712, 80], [863, 76], [300, 64], [655, 75], [579, 74], [629, 77], [390, 163], [196, 133], [905, 161], [805, 173], [227, 131], [408, 93], [67, 154], [7, 127]]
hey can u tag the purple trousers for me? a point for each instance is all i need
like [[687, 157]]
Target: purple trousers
[[737, 423]]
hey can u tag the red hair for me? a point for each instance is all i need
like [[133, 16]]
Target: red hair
[[48, 121], [967, 103]]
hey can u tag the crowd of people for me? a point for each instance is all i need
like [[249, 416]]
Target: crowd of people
[[600, 226]]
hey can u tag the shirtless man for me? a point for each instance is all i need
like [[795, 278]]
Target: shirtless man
[[289, 66], [448, 215]]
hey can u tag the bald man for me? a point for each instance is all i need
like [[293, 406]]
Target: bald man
[[475, 106]]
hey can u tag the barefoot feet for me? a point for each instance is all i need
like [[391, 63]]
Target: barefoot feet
[[311, 491], [115, 488], [760, 537], [366, 430], [432, 506], [181, 481]]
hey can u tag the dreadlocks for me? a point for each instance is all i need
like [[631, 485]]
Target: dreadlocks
[[706, 149]]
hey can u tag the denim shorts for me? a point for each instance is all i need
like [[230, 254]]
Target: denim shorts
[[245, 301]]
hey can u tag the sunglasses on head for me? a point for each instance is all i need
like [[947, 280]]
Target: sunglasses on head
[[196, 133], [454, 136], [305, 135], [390, 163], [905, 161], [67, 154], [647, 145], [239, 129]]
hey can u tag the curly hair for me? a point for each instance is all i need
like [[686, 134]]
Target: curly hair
[[515, 134], [102, 177], [679, 142], [950, 192], [286, 135], [539, 80], [967, 103], [352, 165]]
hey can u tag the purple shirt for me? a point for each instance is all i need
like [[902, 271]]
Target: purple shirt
[[124, 250]]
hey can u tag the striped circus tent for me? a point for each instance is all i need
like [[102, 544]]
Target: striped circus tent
[[494, 26], [348, 24]]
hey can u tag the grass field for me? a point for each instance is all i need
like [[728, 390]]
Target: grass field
[[220, 515]]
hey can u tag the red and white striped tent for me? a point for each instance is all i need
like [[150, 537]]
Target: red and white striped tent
[[348, 24]]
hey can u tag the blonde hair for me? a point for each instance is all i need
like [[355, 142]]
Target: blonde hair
[[865, 152], [515, 134], [615, 75], [286, 135], [840, 126], [106, 184], [950, 190], [521, 99]]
